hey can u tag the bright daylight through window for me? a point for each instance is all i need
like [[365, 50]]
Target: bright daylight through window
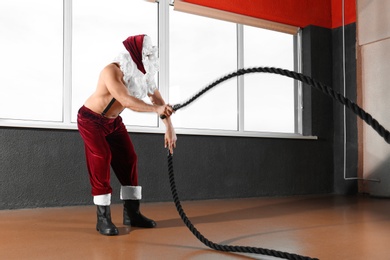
[[102, 35], [31, 60], [53, 55], [201, 50]]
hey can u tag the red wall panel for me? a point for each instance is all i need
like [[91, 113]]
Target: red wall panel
[[301, 13], [349, 12]]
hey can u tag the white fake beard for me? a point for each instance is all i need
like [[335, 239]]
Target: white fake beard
[[150, 58]]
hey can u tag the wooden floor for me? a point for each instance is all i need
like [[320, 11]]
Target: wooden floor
[[324, 227]]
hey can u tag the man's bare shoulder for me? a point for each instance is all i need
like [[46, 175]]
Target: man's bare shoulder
[[111, 77], [111, 70], [109, 74]]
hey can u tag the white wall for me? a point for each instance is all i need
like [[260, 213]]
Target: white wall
[[373, 25]]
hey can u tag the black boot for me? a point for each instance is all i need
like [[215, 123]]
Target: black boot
[[132, 216], [104, 224]]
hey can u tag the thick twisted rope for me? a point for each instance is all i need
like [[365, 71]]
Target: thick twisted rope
[[366, 117], [212, 245], [298, 76]]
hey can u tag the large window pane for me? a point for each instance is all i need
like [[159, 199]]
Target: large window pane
[[202, 50], [99, 27], [269, 98], [31, 60]]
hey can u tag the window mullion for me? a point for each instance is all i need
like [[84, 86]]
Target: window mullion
[[298, 95], [67, 62], [163, 42], [240, 79]]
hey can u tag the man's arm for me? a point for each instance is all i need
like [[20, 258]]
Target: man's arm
[[170, 135], [157, 99]]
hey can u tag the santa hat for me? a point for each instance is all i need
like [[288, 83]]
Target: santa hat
[[133, 45]]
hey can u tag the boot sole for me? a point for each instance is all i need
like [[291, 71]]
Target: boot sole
[[108, 234], [140, 226]]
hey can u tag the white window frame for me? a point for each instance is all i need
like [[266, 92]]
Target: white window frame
[[163, 12]]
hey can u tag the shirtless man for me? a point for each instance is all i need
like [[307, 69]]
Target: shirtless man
[[121, 84]]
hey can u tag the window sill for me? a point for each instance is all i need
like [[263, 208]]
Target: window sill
[[138, 129]]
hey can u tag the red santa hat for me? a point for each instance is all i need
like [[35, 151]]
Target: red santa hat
[[133, 45]]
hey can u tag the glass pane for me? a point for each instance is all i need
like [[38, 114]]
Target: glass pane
[[99, 28], [269, 98], [31, 60], [201, 51]]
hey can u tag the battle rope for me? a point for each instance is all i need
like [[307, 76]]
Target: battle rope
[[298, 76], [212, 245], [305, 79]]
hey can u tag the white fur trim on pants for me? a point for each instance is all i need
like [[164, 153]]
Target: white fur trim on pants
[[102, 200], [131, 193]]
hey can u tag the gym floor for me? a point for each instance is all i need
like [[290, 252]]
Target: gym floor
[[324, 227]]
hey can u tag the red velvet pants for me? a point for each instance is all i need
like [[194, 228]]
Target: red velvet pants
[[107, 142]]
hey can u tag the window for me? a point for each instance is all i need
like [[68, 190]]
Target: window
[[204, 49], [31, 60], [268, 98], [53, 56], [99, 28], [201, 50]]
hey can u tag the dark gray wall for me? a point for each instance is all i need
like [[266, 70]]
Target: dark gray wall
[[323, 61], [45, 168], [340, 185]]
